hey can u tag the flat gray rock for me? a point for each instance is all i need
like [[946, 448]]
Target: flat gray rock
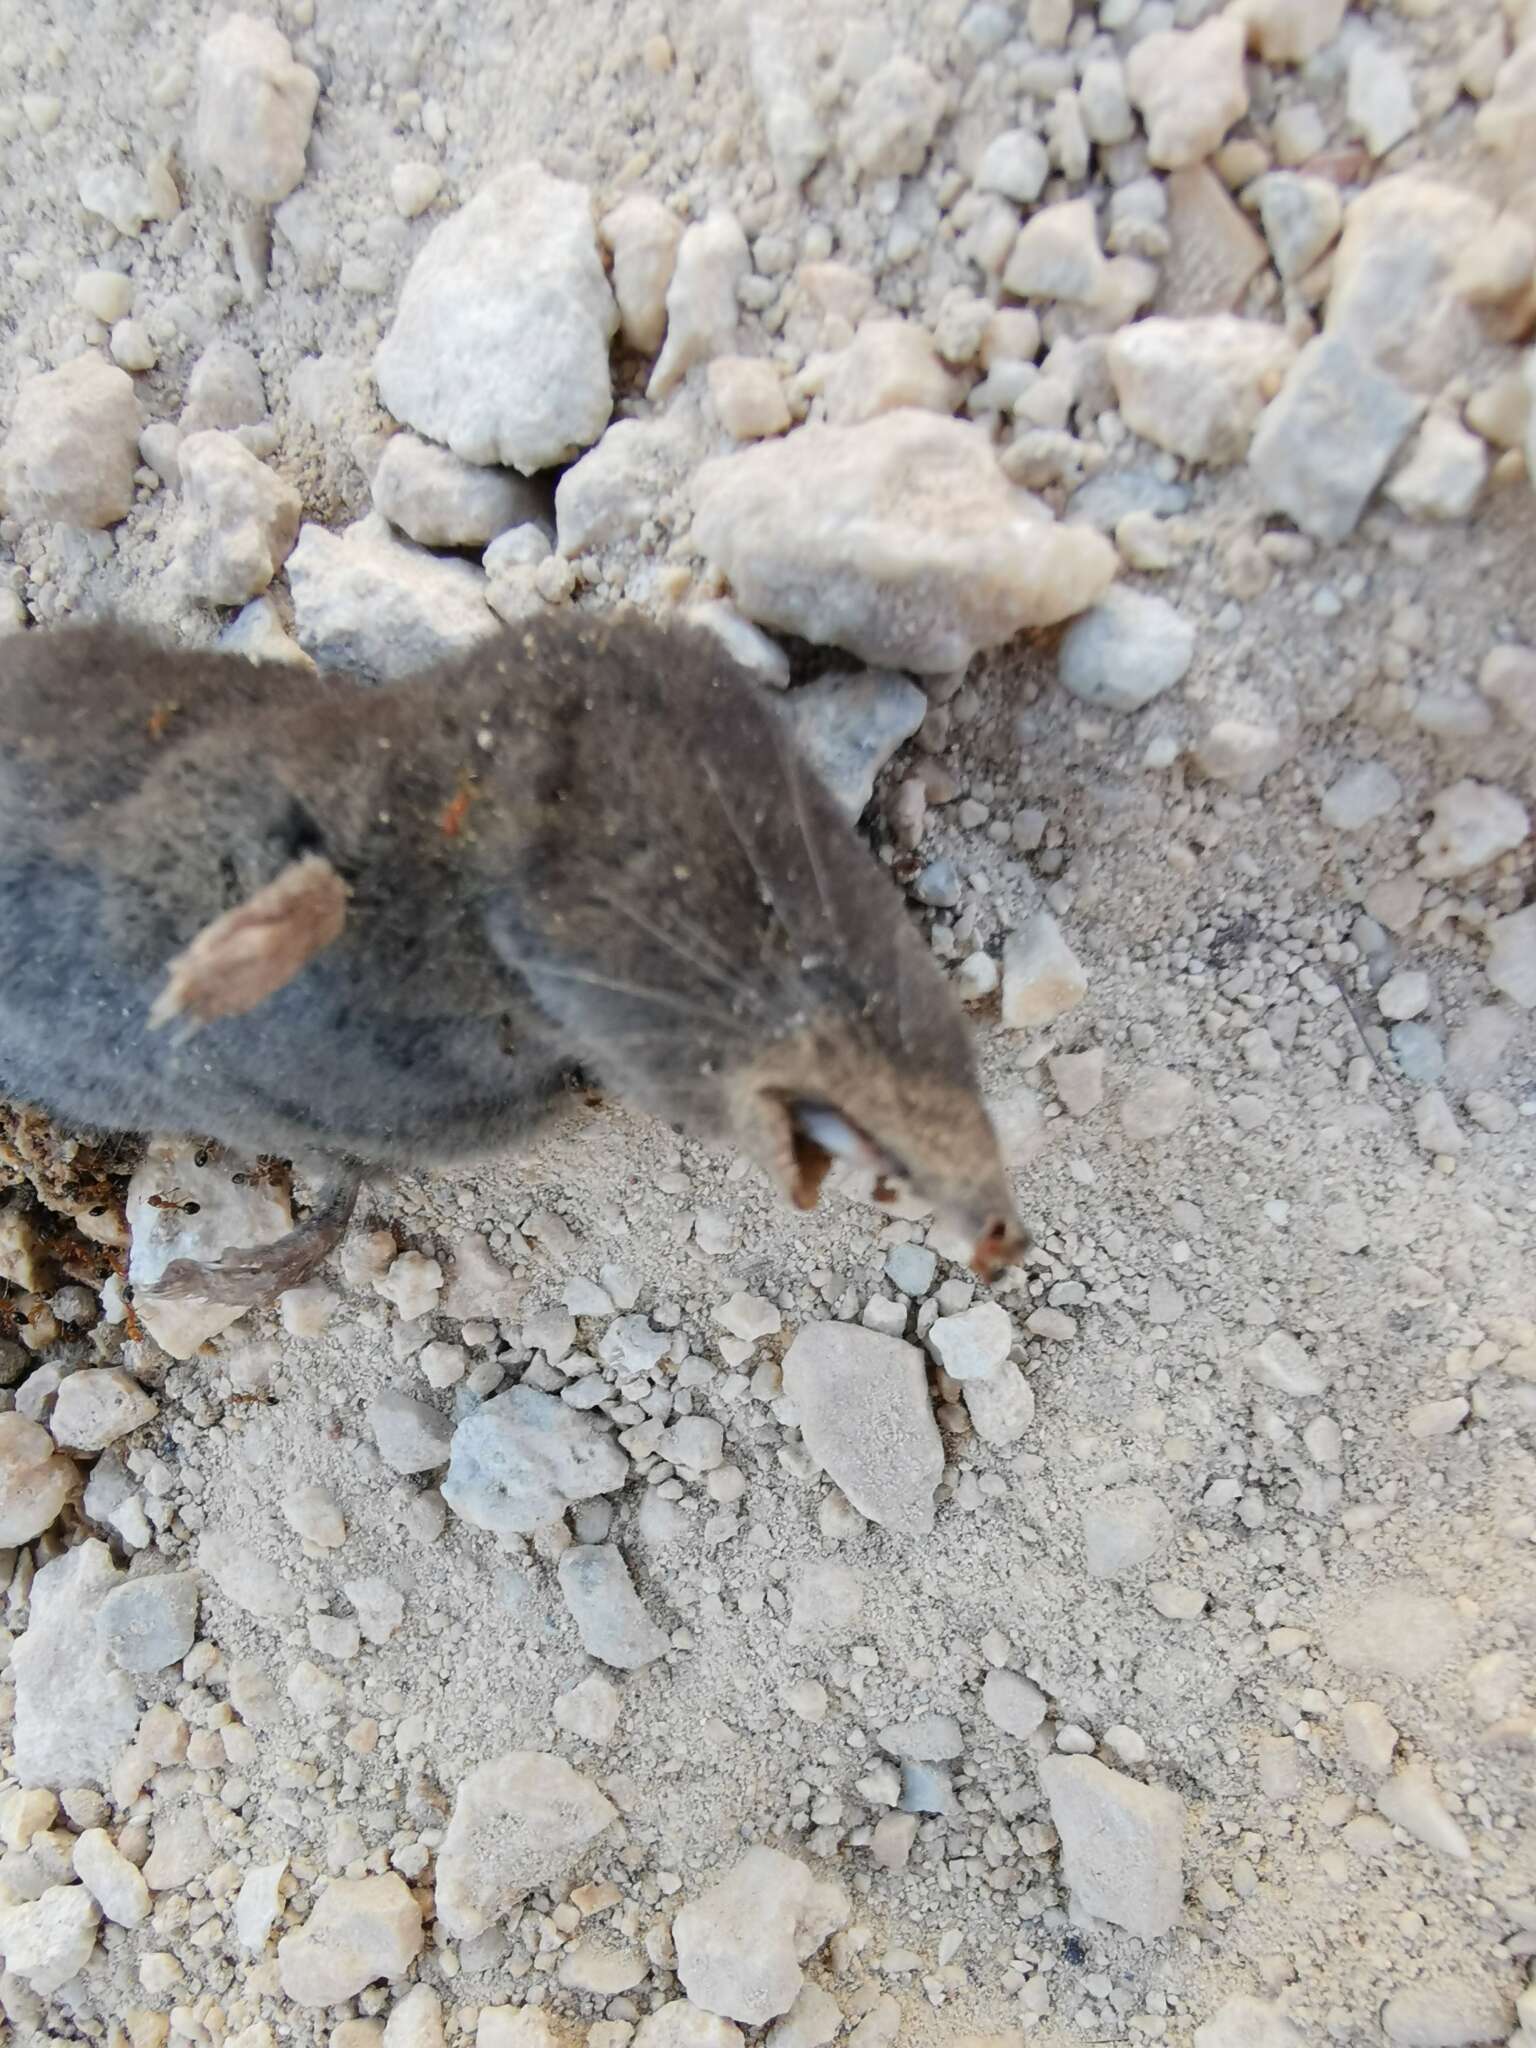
[[1122, 1843], [601, 1595], [521, 1459], [867, 1420]]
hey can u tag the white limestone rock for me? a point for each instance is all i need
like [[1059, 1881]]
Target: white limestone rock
[[1302, 216], [50, 1939], [117, 1886], [741, 1944], [358, 1930], [1360, 795], [641, 235], [900, 540], [1471, 824], [1188, 86], [368, 602], [1289, 31], [1244, 2022], [519, 1460], [1123, 1530], [73, 446], [439, 500], [863, 1407], [1444, 473], [500, 345], [521, 1822], [797, 139], [617, 486], [893, 120], [702, 307], [93, 1408], [889, 364], [1392, 296], [1122, 1844], [255, 106], [35, 1481], [973, 1344], [149, 1622], [75, 1712], [1511, 963], [1057, 255], [1197, 387]]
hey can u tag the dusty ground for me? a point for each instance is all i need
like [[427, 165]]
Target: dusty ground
[[1307, 1568]]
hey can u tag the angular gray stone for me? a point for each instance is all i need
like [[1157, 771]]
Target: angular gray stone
[[441, 501], [48, 1940], [521, 1459], [367, 601], [862, 1402], [255, 106], [849, 726], [1122, 1843], [1323, 446], [606, 1609], [1448, 2013], [411, 1435], [1247, 2023], [1130, 648], [149, 1622], [925, 1739], [520, 1822], [500, 345], [358, 1930], [75, 1713], [1012, 1703]]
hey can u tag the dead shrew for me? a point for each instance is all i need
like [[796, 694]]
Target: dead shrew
[[299, 914]]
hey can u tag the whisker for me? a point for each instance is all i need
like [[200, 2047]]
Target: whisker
[[708, 958], [662, 997], [794, 768]]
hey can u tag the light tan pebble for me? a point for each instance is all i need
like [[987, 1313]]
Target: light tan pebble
[[1290, 31], [358, 1930], [1411, 1800], [888, 365], [1438, 1418], [72, 448], [305, 1311], [413, 187], [1057, 255], [642, 236], [1369, 1736], [1125, 1745], [1197, 387], [747, 393], [255, 106], [702, 307], [105, 294], [133, 347], [1189, 88]]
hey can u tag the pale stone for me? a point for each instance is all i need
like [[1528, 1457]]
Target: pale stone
[[863, 1407], [500, 345], [702, 307], [73, 446], [849, 726], [1302, 217], [1189, 88], [368, 602], [747, 393], [889, 364], [797, 140], [609, 1618], [617, 486], [1290, 31], [1248, 2023], [1057, 255], [900, 540], [75, 1712], [359, 1930], [1392, 295], [891, 125], [1325, 443], [1197, 387], [519, 1460], [1121, 1843], [254, 108], [1123, 1530], [1158, 1107], [1396, 1629], [34, 1481], [1511, 962], [1471, 824], [48, 1940], [520, 1822], [642, 236], [1130, 648], [439, 500], [740, 1945], [1411, 1800], [1042, 976], [1013, 1704], [1444, 473], [95, 1407], [116, 1885]]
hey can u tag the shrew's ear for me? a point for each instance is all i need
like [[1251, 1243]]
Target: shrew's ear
[[252, 951]]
